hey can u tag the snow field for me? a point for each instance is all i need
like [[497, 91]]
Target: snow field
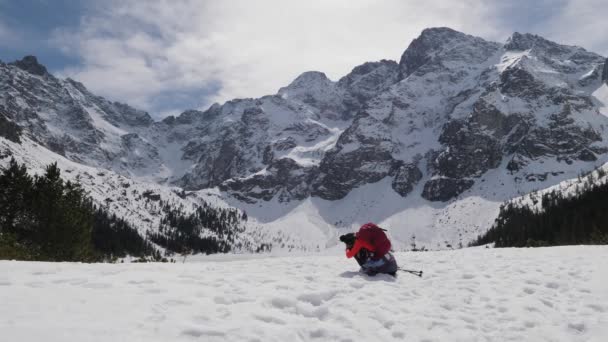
[[478, 294]]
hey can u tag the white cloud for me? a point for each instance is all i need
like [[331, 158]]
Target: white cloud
[[582, 22], [138, 51], [7, 36]]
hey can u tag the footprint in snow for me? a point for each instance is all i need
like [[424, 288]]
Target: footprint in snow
[[317, 299], [547, 303], [36, 284], [388, 324], [195, 332], [156, 290], [282, 303], [597, 307], [71, 281], [318, 333], [447, 307], [232, 300], [529, 290], [398, 334], [552, 285], [176, 302], [269, 319], [140, 282], [353, 285], [578, 327], [97, 285]]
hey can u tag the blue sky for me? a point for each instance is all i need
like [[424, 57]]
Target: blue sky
[[168, 56], [33, 21]]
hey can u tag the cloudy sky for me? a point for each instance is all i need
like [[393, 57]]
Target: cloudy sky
[[166, 56]]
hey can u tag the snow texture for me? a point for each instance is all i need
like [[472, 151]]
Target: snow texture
[[601, 94], [474, 294]]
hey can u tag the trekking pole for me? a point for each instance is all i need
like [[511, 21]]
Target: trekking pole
[[418, 273]]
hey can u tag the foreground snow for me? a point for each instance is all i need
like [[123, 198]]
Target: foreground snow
[[548, 294]]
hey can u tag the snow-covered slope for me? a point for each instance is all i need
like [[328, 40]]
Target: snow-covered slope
[[428, 147], [567, 188], [139, 203], [473, 294]]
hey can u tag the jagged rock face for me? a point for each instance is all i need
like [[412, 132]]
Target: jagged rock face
[[425, 46], [404, 178], [468, 153], [245, 136], [518, 82], [454, 107], [475, 144], [438, 45], [362, 155], [283, 179], [215, 161], [314, 89], [562, 139], [310, 112], [366, 81], [31, 65], [443, 189], [527, 41], [68, 119]]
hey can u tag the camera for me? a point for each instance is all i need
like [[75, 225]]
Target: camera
[[348, 239]]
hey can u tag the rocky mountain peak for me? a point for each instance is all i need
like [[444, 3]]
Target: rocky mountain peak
[[431, 42], [368, 67], [307, 80], [527, 41], [367, 80], [316, 90], [31, 65], [77, 85], [188, 116]]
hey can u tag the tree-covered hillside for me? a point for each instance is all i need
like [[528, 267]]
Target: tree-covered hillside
[[561, 219], [46, 218]]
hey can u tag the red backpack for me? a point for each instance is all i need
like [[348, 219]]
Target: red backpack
[[376, 237]]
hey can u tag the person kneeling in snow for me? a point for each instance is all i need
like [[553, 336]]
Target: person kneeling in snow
[[371, 248]]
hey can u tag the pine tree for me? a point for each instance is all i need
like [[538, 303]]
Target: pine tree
[[45, 218]]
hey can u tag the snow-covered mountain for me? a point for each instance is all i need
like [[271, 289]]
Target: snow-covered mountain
[[429, 146]]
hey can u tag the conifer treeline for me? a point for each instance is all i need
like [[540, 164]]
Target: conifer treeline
[[45, 218], [180, 232], [564, 220], [114, 237]]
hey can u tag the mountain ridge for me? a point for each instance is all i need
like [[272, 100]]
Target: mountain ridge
[[454, 115]]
